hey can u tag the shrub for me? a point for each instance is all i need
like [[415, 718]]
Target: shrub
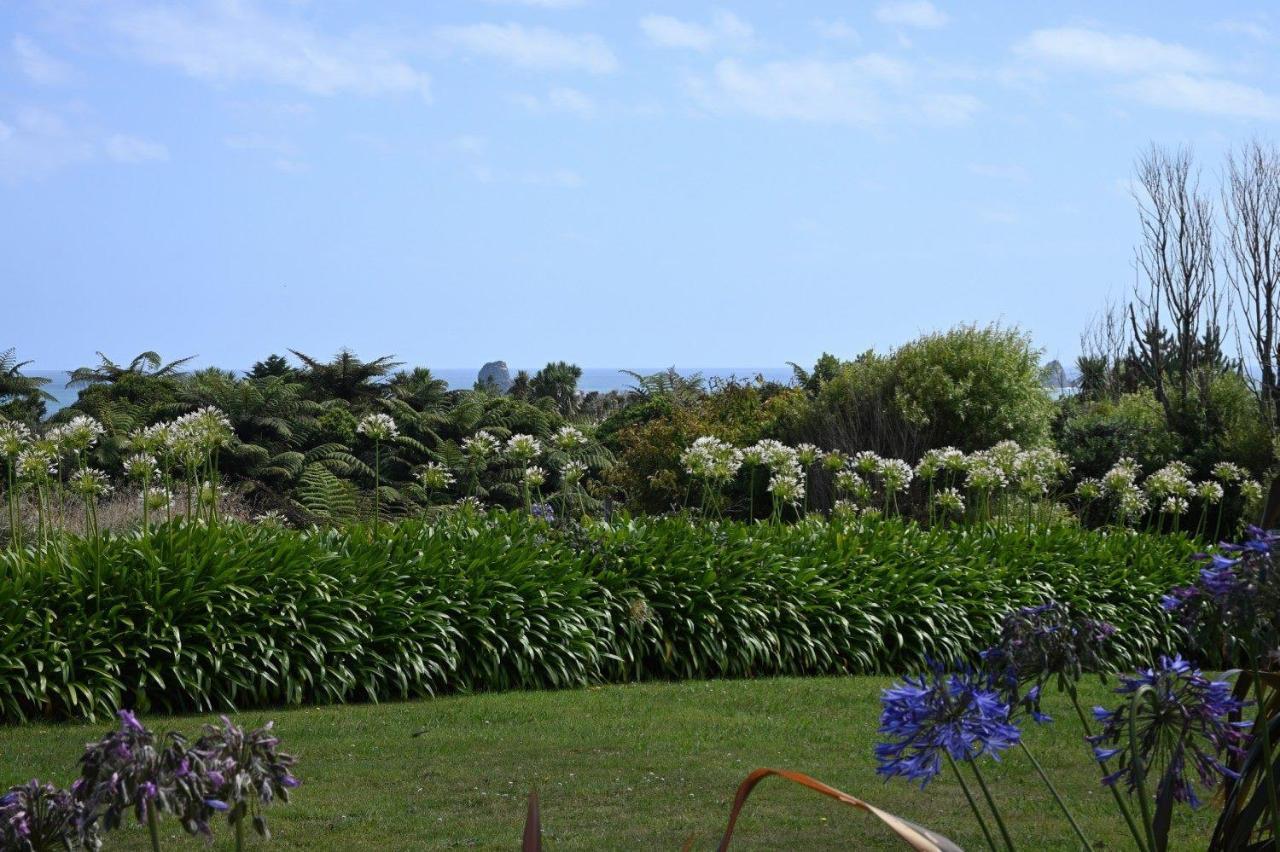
[[1093, 434], [196, 617]]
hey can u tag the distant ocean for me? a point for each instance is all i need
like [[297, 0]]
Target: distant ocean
[[602, 379]]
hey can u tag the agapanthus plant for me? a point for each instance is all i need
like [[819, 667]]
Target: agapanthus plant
[[1175, 728], [945, 715], [36, 817], [245, 772]]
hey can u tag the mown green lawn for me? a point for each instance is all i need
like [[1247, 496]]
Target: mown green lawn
[[619, 767]]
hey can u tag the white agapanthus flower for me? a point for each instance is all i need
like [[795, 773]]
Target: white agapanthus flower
[[207, 427], [1228, 472], [35, 465], [776, 455], [843, 510], [523, 448], [949, 501], [1121, 478], [481, 446], [866, 462], [572, 472], [141, 467], [1209, 491], [834, 461], [434, 476], [929, 465], [569, 438], [13, 437], [712, 460], [1089, 488], [1251, 490], [1133, 504], [534, 476], [954, 460], [79, 434], [90, 482], [807, 454], [985, 474], [151, 439], [1174, 505], [271, 518], [786, 487], [895, 475], [1169, 481], [378, 427], [157, 499]]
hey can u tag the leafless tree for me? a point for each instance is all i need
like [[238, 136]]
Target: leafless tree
[[1176, 300], [1251, 259]]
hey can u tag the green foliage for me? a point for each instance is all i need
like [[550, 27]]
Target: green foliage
[[1095, 433], [197, 617], [22, 397], [969, 387], [558, 383]]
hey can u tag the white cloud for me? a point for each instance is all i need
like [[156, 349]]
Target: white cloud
[[132, 150], [539, 4], [865, 91], [1000, 171], [1204, 95], [227, 41], [725, 29], [37, 142], [1091, 50], [532, 47], [38, 65], [1249, 29], [836, 31], [912, 13], [558, 99]]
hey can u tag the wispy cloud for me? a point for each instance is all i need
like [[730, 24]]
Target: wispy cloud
[[1207, 95], [868, 90], [38, 65], [1248, 29], [538, 48], [912, 13], [133, 150], [36, 142], [1093, 50], [558, 99], [836, 30], [724, 30], [228, 41]]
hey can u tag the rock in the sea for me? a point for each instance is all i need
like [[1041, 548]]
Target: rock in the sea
[[495, 373]]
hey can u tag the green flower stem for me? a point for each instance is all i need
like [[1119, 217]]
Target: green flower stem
[[240, 834], [1056, 797], [1139, 768], [1263, 725], [973, 805], [991, 803], [153, 827], [1115, 794]]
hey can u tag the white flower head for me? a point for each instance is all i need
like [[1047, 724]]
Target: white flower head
[[1228, 472], [807, 454], [1174, 505], [786, 487], [895, 474], [90, 483], [35, 465], [712, 460], [523, 448], [572, 471], [79, 434], [157, 499], [865, 462], [141, 467], [949, 501], [481, 446], [534, 476], [434, 476], [14, 436], [207, 428], [1251, 491], [1209, 491], [569, 438], [378, 427]]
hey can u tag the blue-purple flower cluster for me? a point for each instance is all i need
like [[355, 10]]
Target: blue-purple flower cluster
[[955, 714], [1042, 643], [1180, 718], [131, 770]]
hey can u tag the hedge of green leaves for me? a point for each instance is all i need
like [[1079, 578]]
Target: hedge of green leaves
[[195, 617]]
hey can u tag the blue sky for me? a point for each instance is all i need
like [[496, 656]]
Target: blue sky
[[614, 183]]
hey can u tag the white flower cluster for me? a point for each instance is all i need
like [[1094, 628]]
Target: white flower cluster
[[569, 438], [13, 437], [572, 471], [523, 448], [481, 446], [378, 427], [90, 483], [434, 476], [712, 460]]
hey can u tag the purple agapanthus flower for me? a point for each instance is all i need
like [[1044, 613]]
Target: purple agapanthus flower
[[951, 713], [1183, 718], [543, 511]]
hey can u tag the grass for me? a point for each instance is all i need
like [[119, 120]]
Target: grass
[[621, 767]]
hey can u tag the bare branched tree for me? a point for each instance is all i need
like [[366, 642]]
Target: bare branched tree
[[1102, 349], [1251, 260], [1176, 300]]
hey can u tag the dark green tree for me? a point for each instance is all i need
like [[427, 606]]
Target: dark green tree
[[557, 382], [22, 397]]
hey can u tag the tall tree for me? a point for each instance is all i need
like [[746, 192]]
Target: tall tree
[[346, 377], [22, 397], [558, 382]]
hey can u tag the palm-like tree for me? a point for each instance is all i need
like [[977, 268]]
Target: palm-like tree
[[146, 365], [346, 377], [22, 397], [558, 381]]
